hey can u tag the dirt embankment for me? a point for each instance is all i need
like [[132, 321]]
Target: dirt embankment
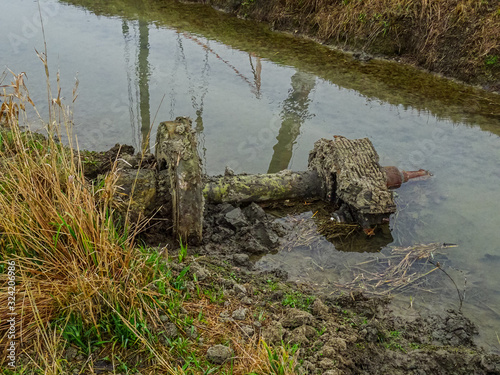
[[457, 38]]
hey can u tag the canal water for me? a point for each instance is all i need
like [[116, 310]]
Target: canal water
[[259, 100]]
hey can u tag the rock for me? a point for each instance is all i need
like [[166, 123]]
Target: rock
[[171, 331], [239, 314], [362, 56], [273, 333], [295, 318], [319, 309], [247, 330], [491, 363], [224, 208], [236, 218], [246, 301], [239, 289], [192, 332], [254, 213], [164, 318], [70, 353], [241, 259], [264, 235], [219, 354], [224, 317], [252, 246]]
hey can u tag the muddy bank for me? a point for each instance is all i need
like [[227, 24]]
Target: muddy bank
[[456, 39], [338, 333], [333, 334]]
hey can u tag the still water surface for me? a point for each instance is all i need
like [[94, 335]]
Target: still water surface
[[259, 101]]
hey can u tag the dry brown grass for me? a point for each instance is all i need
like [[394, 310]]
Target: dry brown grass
[[456, 37], [70, 258], [251, 353]]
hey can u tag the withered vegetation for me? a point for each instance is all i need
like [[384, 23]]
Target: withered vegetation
[[458, 38]]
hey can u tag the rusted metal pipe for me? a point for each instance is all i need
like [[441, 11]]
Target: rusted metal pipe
[[396, 177]]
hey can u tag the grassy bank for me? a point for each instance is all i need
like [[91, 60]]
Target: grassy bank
[[457, 38], [78, 293]]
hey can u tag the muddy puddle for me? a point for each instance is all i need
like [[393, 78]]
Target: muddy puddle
[[259, 101]]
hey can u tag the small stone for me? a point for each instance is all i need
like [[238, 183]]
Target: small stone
[[224, 317], [246, 300], [241, 259], [257, 324], [236, 218], [254, 212], [164, 318], [239, 289], [239, 314], [170, 331], [71, 353], [219, 354], [192, 332], [247, 330]]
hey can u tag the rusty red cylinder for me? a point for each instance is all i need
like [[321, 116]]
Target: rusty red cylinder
[[396, 177]]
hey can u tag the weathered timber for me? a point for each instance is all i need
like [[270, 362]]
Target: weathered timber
[[263, 187], [352, 175], [177, 151]]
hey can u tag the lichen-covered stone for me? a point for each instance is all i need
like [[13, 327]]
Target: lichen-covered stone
[[219, 354], [239, 314]]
